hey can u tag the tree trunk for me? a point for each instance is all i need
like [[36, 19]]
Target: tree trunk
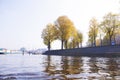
[[73, 44], [62, 44], [49, 46], [81, 45], [66, 44], [94, 38], [114, 40], [78, 44], [110, 40], [94, 41]]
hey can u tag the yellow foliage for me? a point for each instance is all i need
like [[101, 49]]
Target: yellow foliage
[[93, 30], [110, 25], [49, 34], [65, 26]]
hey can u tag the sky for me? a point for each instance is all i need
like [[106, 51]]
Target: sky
[[22, 21]]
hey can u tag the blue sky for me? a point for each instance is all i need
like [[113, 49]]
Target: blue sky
[[22, 21]]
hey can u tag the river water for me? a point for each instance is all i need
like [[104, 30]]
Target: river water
[[43, 67]]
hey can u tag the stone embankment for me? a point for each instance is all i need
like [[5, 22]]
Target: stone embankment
[[89, 51]]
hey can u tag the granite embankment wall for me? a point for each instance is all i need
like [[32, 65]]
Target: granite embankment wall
[[89, 51]]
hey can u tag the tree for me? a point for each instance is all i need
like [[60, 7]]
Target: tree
[[49, 34], [93, 31], [105, 40], [66, 29], [109, 25], [76, 40], [80, 38]]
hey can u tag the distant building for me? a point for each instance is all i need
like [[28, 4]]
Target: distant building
[[3, 49]]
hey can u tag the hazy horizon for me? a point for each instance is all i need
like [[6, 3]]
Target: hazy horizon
[[22, 21]]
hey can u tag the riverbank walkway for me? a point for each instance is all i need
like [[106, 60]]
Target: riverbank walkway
[[88, 51]]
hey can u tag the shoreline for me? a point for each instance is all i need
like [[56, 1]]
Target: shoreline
[[87, 51], [2, 53]]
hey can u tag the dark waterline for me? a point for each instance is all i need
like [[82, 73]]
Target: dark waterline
[[99, 51], [43, 67]]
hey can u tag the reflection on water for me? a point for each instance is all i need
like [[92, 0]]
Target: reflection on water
[[39, 67]]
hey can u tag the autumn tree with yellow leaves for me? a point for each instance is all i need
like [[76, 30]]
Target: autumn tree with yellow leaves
[[110, 25], [75, 40], [93, 31], [79, 39], [49, 34], [66, 29], [63, 30]]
